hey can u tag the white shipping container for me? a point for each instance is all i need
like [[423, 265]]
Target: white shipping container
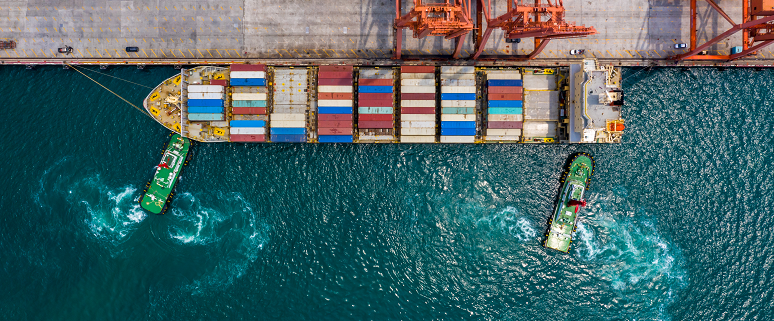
[[417, 117], [417, 103], [335, 103], [458, 89], [417, 82], [296, 117], [417, 124], [458, 117], [503, 132], [248, 74], [458, 139], [458, 69], [376, 137], [417, 131], [457, 76], [417, 89], [205, 95], [248, 96], [502, 138], [458, 82], [205, 89], [248, 131], [409, 75], [219, 124], [458, 103], [287, 123], [417, 139], [505, 117], [334, 89], [511, 75]]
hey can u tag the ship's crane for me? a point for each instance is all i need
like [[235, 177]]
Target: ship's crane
[[448, 18], [539, 19], [757, 29]]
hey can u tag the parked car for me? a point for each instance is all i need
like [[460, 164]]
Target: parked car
[[577, 51], [65, 49], [132, 49], [509, 40], [680, 46]]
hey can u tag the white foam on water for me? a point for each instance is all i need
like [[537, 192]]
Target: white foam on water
[[509, 221], [218, 223]]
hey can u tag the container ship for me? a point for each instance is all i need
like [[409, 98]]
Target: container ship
[[255, 103], [575, 182]]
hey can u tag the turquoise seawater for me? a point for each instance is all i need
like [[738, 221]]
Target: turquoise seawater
[[679, 225]]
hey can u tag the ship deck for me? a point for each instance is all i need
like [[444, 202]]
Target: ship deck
[[630, 32]]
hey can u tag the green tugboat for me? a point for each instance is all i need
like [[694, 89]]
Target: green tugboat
[[575, 182], [167, 174]]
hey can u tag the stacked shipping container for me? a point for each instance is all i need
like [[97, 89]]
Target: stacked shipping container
[[248, 103], [376, 105], [458, 104], [335, 104], [291, 103], [504, 111], [205, 103], [417, 102], [541, 108]]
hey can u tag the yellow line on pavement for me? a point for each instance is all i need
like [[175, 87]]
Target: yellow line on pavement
[[145, 53]]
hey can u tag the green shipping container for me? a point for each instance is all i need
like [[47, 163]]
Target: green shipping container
[[505, 111], [375, 110], [458, 110], [248, 103]]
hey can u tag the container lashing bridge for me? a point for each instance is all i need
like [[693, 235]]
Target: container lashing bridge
[[757, 29], [449, 18], [540, 20]]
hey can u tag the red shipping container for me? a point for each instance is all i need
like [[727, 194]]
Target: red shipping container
[[219, 82], [418, 110], [329, 117], [504, 90], [248, 110], [248, 67], [424, 96], [374, 96], [335, 74], [504, 124], [334, 131], [504, 96], [324, 96], [374, 124], [334, 124], [374, 103], [375, 117], [375, 82], [334, 82], [418, 69], [340, 96], [335, 68], [248, 138]]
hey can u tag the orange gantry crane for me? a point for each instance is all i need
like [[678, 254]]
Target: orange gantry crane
[[447, 18], [757, 26], [539, 19]]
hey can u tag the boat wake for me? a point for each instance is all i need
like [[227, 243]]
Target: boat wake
[[223, 226], [631, 255], [509, 221], [110, 214]]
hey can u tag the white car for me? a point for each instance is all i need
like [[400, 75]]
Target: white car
[[680, 46], [577, 52]]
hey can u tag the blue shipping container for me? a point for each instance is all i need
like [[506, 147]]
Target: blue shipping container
[[458, 131], [334, 110], [205, 103], [335, 139], [288, 138], [205, 117], [458, 124], [248, 123], [288, 131], [505, 111], [505, 82], [375, 89], [450, 96], [205, 110], [506, 103], [736, 50], [248, 103], [458, 110], [248, 82]]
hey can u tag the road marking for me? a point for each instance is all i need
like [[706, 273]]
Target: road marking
[[154, 53], [181, 53], [200, 52], [52, 52], [209, 52], [192, 55], [218, 51], [143, 52]]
